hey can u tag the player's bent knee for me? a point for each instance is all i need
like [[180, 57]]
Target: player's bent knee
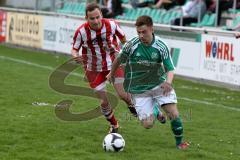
[[174, 115], [104, 103], [122, 96], [147, 124]]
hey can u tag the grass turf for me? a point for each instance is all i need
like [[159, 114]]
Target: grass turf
[[29, 131]]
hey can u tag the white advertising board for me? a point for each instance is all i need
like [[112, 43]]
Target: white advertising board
[[130, 32], [220, 59], [58, 33], [215, 58], [188, 61]]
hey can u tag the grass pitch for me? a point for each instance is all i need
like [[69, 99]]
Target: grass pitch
[[29, 128]]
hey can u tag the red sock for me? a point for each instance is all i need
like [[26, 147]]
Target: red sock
[[108, 113], [112, 120]]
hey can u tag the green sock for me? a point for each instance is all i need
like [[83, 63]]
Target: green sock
[[177, 128], [155, 110]]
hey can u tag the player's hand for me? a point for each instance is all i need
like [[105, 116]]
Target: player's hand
[[166, 87], [237, 35], [78, 59], [110, 78]]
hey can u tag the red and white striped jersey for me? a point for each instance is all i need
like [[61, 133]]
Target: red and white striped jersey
[[98, 47]]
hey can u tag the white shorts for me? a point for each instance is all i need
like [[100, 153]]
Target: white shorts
[[144, 102]]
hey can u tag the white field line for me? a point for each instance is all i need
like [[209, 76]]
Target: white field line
[[209, 103], [80, 75], [34, 64]]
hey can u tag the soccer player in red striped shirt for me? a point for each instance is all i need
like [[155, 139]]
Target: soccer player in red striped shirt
[[97, 38]]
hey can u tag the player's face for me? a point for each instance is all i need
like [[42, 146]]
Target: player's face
[[145, 34], [94, 19]]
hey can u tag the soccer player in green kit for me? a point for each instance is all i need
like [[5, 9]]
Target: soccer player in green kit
[[148, 77]]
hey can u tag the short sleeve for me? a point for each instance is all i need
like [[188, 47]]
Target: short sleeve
[[119, 32], [167, 59], [77, 40]]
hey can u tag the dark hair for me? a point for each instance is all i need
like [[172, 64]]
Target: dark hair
[[91, 6], [144, 20]]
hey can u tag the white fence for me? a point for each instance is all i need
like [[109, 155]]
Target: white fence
[[214, 56]]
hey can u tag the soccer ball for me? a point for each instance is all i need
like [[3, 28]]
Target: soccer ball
[[113, 142]]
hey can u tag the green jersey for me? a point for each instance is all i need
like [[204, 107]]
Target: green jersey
[[145, 65]]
